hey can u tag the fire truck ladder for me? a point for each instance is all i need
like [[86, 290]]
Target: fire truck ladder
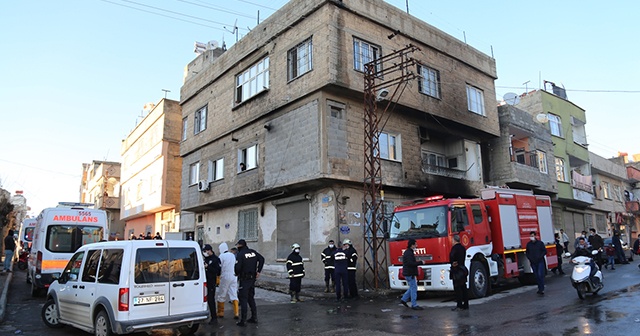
[[392, 77]]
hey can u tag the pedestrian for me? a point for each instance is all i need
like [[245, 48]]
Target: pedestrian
[[410, 273], [295, 270], [459, 274], [636, 246], [611, 256], [535, 253], [327, 260], [341, 272], [157, 236], [565, 240], [141, 237], [352, 255], [9, 250], [228, 287], [132, 237], [148, 236], [596, 242], [559, 252], [212, 270], [248, 266], [617, 244], [583, 234]]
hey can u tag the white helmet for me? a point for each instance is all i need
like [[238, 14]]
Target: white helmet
[[295, 246], [346, 241]]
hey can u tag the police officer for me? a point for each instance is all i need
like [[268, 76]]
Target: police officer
[[327, 259], [340, 275], [352, 255], [249, 264], [295, 269], [212, 270]]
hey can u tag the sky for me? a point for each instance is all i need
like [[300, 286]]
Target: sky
[[75, 74]]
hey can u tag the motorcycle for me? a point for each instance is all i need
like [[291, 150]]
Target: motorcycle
[[580, 278]]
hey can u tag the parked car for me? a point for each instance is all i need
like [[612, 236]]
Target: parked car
[[121, 287]]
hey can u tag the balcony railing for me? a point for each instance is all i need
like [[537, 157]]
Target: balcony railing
[[442, 171], [526, 158]]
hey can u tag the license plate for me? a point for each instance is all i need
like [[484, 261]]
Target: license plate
[[144, 300]]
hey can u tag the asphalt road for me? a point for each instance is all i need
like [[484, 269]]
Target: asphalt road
[[511, 310]]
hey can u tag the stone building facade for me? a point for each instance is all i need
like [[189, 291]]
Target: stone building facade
[[100, 186], [273, 140]]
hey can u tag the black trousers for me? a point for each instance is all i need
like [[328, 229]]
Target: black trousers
[[342, 283], [246, 293], [328, 275], [353, 288], [462, 295], [295, 284], [211, 301]]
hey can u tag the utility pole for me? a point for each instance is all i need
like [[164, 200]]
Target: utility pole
[[392, 72]]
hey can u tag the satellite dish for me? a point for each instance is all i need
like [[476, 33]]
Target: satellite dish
[[542, 118], [511, 98]]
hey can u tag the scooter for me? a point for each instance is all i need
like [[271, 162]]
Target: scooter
[[580, 277]]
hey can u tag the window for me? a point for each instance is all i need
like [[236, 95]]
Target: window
[[460, 219], [561, 174], [616, 193], [389, 146], [200, 120], [151, 265], [475, 100], [299, 59], [555, 124], [110, 266], [248, 158], [184, 129], [183, 263], [606, 191], [365, 52], [72, 270], [252, 81], [68, 238], [194, 173], [91, 266], [216, 170], [542, 161], [476, 211], [601, 223], [248, 224], [429, 84]]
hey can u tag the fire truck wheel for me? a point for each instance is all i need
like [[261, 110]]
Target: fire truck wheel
[[479, 280]]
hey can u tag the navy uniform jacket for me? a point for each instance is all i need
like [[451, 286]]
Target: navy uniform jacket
[[353, 258], [295, 266], [327, 257], [340, 261], [212, 270], [248, 263]]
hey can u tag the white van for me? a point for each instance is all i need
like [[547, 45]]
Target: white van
[[121, 287], [59, 232], [26, 233]]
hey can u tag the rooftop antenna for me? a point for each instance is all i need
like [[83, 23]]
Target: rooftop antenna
[[165, 93], [235, 29], [526, 86]]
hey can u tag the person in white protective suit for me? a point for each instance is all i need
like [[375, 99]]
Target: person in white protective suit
[[228, 288]]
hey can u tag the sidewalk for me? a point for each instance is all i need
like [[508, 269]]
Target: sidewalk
[[5, 280]]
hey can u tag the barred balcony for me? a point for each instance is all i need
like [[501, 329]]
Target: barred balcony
[[442, 171], [529, 158]]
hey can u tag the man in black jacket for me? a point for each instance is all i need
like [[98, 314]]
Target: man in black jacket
[[459, 274], [597, 243], [410, 272], [295, 270], [535, 253], [9, 250], [327, 260], [249, 264], [212, 270]]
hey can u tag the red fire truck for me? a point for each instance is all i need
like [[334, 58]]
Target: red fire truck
[[494, 229]]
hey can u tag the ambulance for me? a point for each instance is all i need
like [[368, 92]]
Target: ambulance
[[26, 233], [59, 232]]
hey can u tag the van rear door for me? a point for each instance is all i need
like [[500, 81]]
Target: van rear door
[[149, 296], [187, 278]]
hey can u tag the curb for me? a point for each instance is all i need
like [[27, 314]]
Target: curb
[[3, 297]]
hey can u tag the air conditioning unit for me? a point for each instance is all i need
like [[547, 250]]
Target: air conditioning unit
[[203, 185]]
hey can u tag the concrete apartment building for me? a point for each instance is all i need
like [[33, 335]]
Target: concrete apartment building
[[632, 197], [566, 122], [100, 186], [151, 170], [273, 132], [530, 163], [609, 185]]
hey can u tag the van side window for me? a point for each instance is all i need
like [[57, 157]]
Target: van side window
[[91, 266], [184, 264], [151, 265], [110, 266], [73, 267]]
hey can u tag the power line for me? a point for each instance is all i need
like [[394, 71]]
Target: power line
[[255, 4], [173, 12], [42, 169], [218, 9]]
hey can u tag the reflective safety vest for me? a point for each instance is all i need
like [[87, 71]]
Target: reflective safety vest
[[295, 265], [327, 257]]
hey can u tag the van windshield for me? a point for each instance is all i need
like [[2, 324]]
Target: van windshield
[[68, 238], [420, 223]]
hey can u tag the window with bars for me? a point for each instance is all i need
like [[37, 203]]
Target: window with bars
[[601, 223], [252, 81], [429, 84], [299, 59], [365, 52], [248, 224], [475, 100], [200, 120]]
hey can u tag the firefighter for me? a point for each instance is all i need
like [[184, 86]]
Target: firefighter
[[327, 259], [228, 287], [248, 266], [212, 270], [295, 269], [352, 255], [340, 275]]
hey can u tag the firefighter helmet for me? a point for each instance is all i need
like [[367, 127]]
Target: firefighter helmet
[[346, 241], [295, 246]]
